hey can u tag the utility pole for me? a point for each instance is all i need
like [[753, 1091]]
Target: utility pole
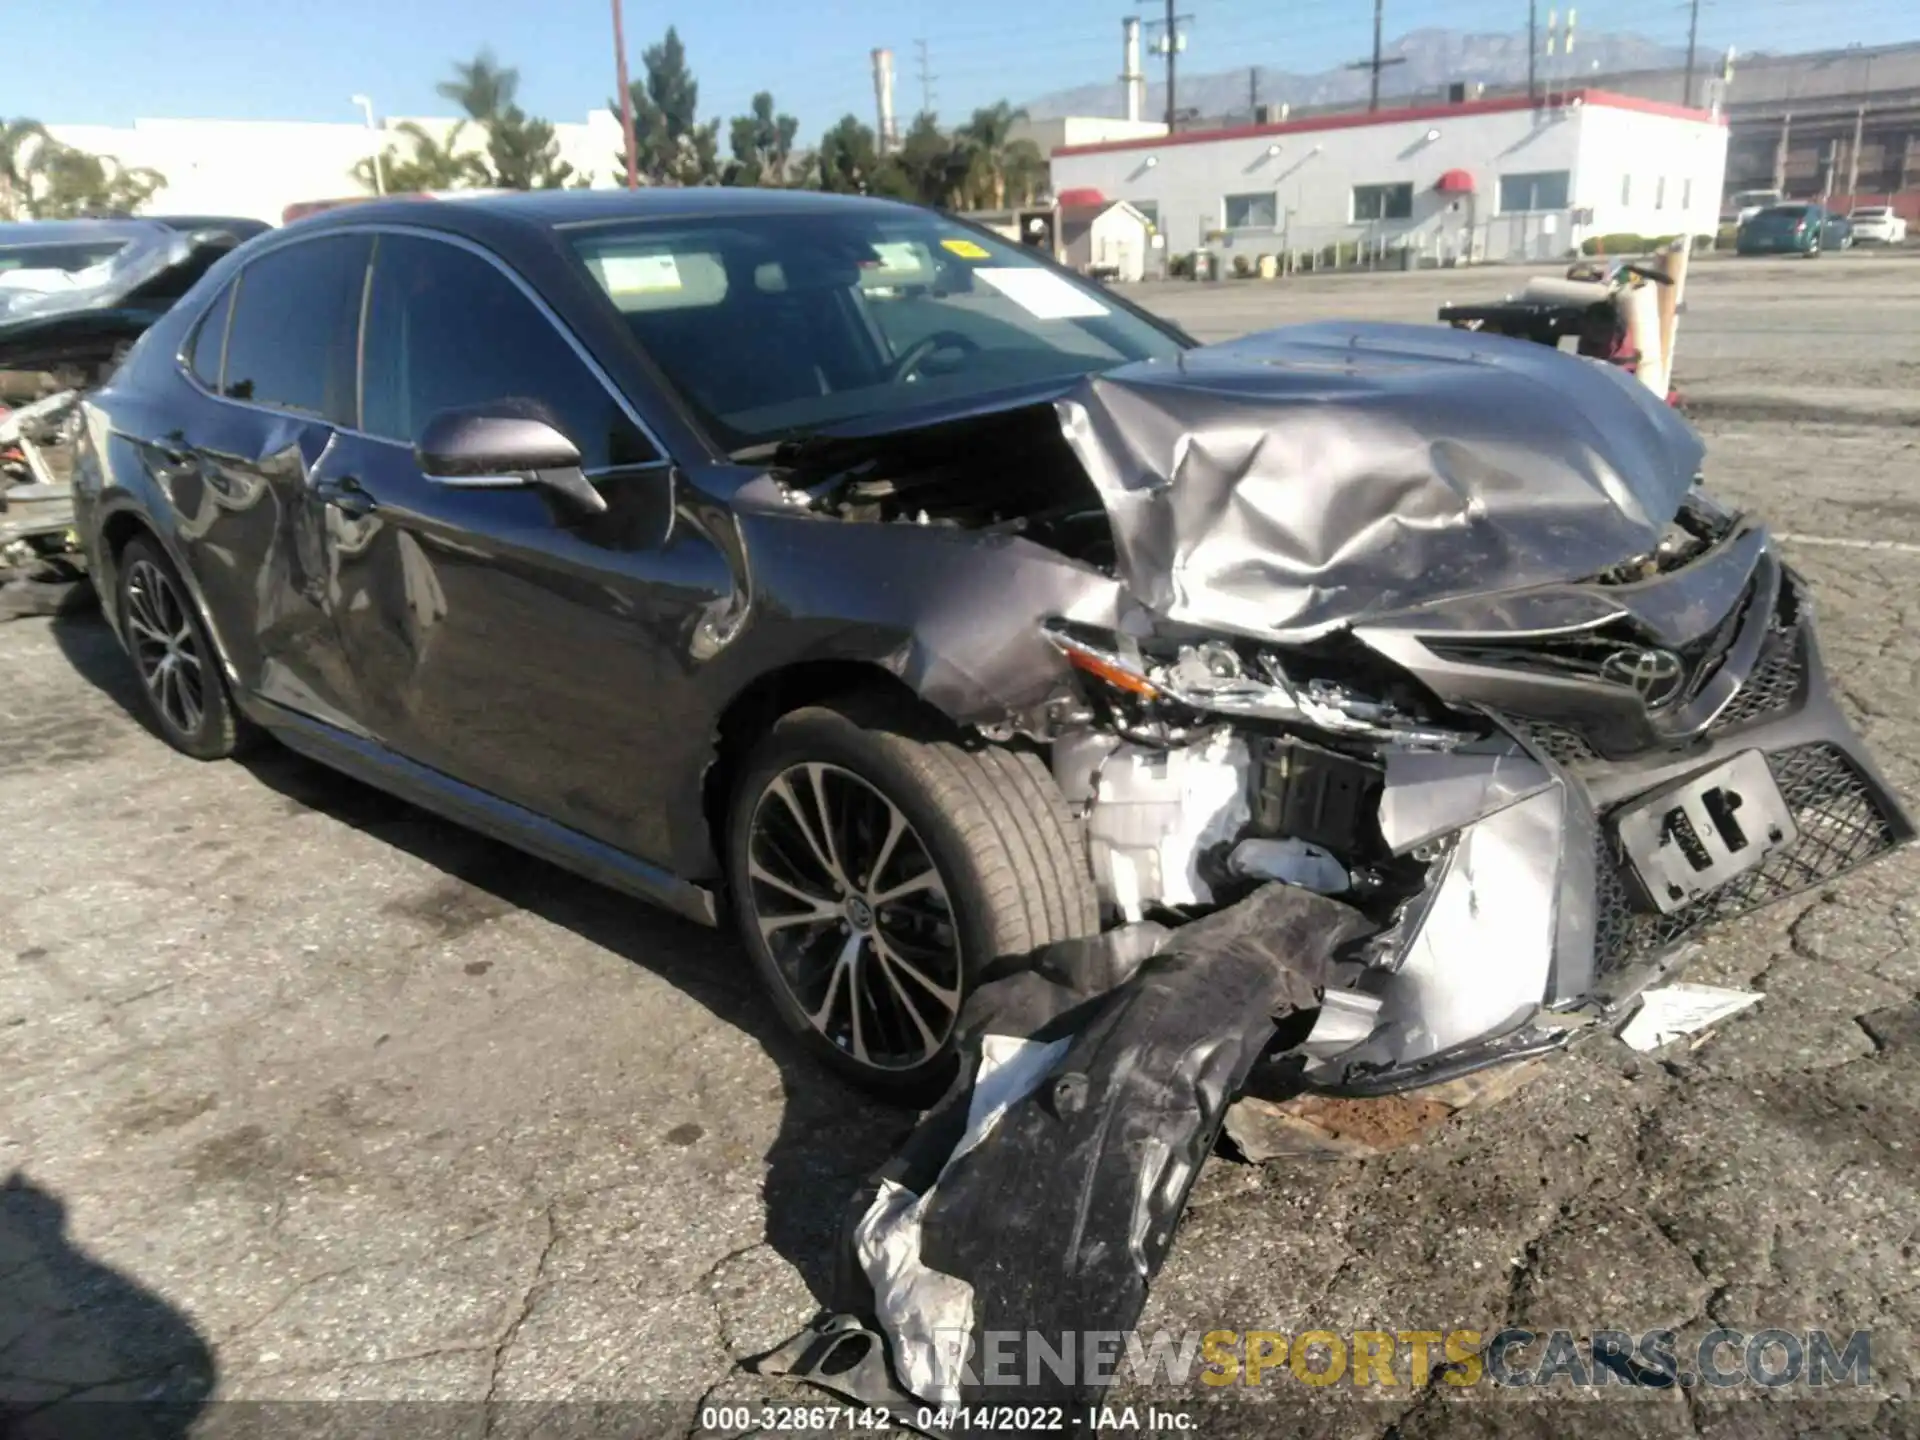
[[1377, 63], [1859, 128], [1253, 91], [1693, 34], [1169, 44], [1533, 49], [926, 77], [626, 98], [1173, 48]]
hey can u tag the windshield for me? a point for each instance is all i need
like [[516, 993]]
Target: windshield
[[775, 325]]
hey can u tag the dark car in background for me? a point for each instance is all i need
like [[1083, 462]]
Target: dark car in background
[[1793, 229], [835, 565]]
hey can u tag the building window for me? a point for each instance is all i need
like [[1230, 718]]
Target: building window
[[1535, 190], [1383, 202], [1626, 190], [1686, 193], [1660, 192], [1251, 212], [1149, 210]]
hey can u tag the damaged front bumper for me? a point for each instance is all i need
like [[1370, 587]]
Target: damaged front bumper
[[1570, 852]]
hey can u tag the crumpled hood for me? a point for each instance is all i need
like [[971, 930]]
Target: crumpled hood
[[1305, 478]]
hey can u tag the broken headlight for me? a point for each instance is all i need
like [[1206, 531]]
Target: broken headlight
[[1218, 677]]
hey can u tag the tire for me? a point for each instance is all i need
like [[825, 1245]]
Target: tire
[[183, 694], [1005, 855]]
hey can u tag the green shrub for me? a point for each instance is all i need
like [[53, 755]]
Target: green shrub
[[1179, 267], [1242, 266]]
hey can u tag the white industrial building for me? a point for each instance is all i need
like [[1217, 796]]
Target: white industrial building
[[1495, 179], [259, 167]]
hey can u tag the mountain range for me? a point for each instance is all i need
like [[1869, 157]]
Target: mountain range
[[1431, 59]]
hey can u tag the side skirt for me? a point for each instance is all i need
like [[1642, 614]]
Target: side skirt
[[513, 824]]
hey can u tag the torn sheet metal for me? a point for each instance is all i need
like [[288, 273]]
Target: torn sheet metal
[[1312, 476], [1429, 794], [1673, 1011], [1107, 1074], [1477, 960]]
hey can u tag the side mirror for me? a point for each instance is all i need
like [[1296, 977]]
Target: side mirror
[[506, 444]]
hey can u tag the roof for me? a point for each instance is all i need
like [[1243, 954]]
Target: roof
[[1360, 119], [60, 232], [554, 209]]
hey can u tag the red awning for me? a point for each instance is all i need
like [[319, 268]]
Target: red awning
[[1079, 197], [1455, 182]]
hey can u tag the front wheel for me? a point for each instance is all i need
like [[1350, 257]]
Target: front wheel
[[877, 863]]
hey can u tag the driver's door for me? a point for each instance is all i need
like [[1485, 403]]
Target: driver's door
[[498, 635]]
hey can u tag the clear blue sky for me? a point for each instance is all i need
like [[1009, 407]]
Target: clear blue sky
[[284, 61]]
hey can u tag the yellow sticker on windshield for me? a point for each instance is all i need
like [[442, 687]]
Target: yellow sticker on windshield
[[965, 249]]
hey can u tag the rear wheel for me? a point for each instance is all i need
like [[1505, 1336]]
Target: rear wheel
[[180, 680], [877, 864]]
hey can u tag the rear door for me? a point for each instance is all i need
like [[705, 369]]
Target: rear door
[[497, 634], [265, 455]]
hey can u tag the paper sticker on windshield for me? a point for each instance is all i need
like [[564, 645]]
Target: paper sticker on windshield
[[965, 249], [1043, 294], [638, 274], [900, 256]]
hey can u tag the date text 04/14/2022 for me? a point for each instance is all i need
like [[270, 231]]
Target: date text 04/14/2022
[[1040, 1419]]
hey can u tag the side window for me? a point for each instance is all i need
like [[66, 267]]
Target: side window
[[296, 318], [446, 329], [210, 340]]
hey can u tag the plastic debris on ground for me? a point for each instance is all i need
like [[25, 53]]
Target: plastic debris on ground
[[1674, 1011]]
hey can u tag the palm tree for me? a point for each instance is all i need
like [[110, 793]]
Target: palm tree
[[18, 140], [1001, 163], [432, 165], [482, 86]]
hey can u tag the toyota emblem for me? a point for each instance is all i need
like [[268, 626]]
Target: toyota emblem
[[1655, 675]]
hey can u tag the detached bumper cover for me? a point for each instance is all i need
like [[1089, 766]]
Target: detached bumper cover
[[1041, 1195]]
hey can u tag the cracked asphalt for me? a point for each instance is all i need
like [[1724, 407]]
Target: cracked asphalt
[[308, 1097]]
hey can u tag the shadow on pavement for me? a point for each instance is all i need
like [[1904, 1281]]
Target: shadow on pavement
[[830, 1136], [84, 1350]]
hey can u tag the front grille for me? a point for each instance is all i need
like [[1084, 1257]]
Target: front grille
[[1778, 671], [1774, 684], [1841, 826], [1559, 743]]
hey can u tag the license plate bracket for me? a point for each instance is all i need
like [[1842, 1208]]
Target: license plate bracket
[[1693, 837]]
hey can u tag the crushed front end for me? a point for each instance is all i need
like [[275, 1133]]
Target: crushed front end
[[1536, 796]]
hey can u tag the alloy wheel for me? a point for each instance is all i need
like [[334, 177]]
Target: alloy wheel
[[855, 915], [165, 650]]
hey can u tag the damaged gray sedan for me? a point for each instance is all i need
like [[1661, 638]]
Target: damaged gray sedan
[[836, 562]]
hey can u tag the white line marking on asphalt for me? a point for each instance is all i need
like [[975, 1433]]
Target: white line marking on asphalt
[[1841, 542]]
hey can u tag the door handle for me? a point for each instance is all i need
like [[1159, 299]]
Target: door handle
[[347, 495]]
